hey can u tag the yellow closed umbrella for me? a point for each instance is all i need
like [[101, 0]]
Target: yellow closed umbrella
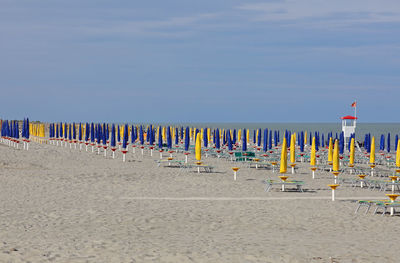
[[372, 153], [398, 154], [335, 167], [352, 148], [248, 135], [239, 134], [197, 148], [330, 151], [312, 157], [293, 148], [283, 167], [305, 137]]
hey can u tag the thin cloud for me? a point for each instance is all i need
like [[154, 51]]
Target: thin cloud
[[339, 12]]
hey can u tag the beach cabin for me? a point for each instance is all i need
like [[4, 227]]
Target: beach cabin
[[348, 126]]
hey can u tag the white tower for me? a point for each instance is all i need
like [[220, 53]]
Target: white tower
[[348, 126]]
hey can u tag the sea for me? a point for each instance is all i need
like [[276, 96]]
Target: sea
[[375, 129]]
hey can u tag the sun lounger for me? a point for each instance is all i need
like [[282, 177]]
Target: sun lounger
[[270, 183]]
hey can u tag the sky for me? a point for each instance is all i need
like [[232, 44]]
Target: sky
[[199, 61]]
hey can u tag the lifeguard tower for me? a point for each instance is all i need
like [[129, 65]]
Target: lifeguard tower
[[348, 126]]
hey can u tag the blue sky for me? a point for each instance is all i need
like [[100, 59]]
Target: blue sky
[[200, 61]]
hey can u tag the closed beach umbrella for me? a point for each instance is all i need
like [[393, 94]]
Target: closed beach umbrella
[[293, 148], [80, 131], [352, 148], [283, 164], [70, 132], [113, 142], [187, 139], [198, 148], [270, 140], [330, 150], [305, 137], [217, 139], [244, 142], [265, 141], [388, 143], [382, 143], [141, 135], [91, 132], [230, 146], [372, 153], [133, 134], [312, 156], [104, 136], [205, 138], [302, 142], [169, 138], [335, 167], [119, 134], [125, 138], [259, 137], [398, 154], [87, 131], [73, 131], [160, 141]]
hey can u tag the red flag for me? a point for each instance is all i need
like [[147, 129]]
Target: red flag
[[354, 104]]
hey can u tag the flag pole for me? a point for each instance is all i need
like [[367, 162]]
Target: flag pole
[[355, 109]]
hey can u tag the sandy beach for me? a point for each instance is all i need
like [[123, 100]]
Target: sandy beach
[[64, 205]]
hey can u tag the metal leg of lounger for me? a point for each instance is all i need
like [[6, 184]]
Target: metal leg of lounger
[[376, 209], [357, 208], [368, 207], [384, 210]]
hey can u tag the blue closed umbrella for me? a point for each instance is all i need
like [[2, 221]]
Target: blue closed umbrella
[[244, 142], [87, 130], [70, 132], [265, 141], [176, 136], [169, 138], [113, 142], [388, 143], [217, 139], [270, 140], [302, 141], [187, 139], [230, 146], [126, 136], [160, 139], [205, 138], [119, 134], [91, 132], [133, 134], [104, 136], [141, 135]]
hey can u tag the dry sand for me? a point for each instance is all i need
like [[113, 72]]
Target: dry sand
[[63, 205]]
